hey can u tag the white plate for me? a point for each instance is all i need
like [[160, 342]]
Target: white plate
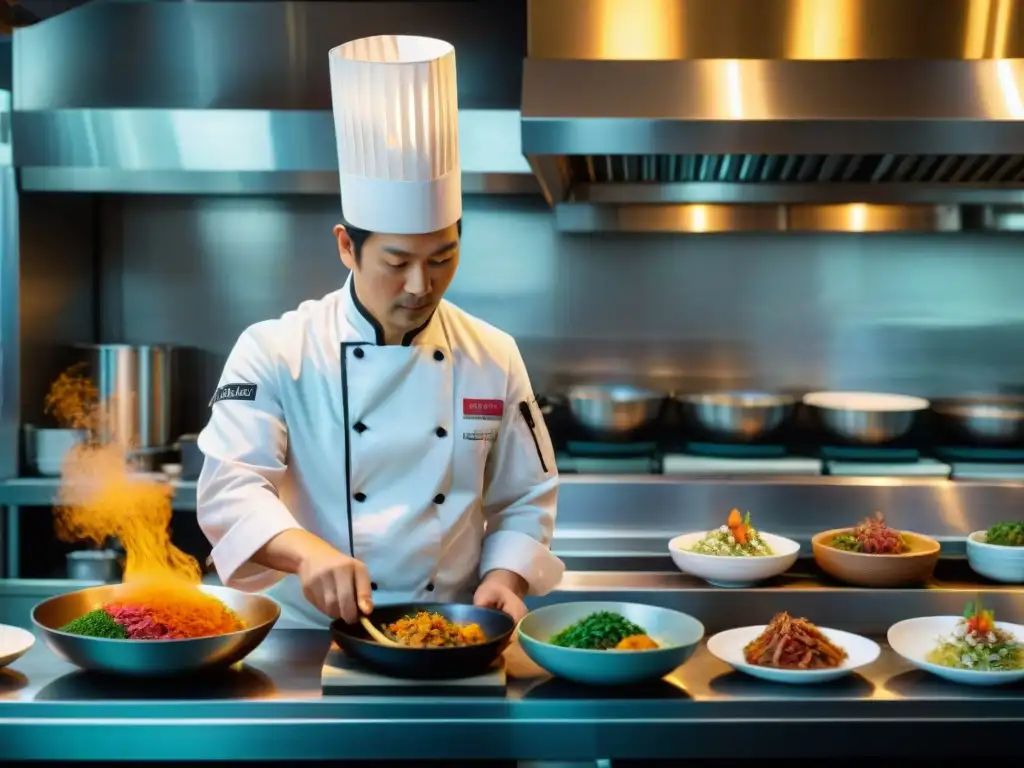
[[14, 643], [728, 647], [913, 639], [727, 571]]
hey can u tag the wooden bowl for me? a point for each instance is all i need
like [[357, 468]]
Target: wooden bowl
[[865, 570]]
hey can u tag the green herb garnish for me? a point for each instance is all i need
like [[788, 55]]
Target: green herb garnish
[[598, 631], [96, 624], [1006, 535], [846, 542]]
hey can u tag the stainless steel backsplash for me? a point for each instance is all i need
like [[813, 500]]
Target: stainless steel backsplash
[[925, 314]]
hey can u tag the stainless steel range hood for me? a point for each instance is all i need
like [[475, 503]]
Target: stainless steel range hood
[[665, 115], [232, 97]]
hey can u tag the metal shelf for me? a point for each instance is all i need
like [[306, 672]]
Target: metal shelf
[[42, 491]]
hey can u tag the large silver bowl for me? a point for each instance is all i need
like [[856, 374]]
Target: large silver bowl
[[152, 658], [982, 420], [739, 417], [865, 418], [614, 409]]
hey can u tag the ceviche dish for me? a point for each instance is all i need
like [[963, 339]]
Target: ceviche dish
[[604, 631], [1005, 535], [788, 643], [872, 537], [976, 643], [737, 538], [432, 630]]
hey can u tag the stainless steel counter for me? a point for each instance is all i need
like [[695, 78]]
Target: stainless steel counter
[[273, 709]]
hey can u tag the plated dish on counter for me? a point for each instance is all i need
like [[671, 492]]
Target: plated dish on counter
[[735, 554], [872, 554], [793, 650], [998, 553], [737, 538], [608, 643], [974, 648]]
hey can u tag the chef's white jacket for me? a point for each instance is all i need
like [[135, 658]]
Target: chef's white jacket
[[429, 461]]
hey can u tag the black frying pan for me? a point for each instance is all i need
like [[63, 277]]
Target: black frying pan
[[428, 663]]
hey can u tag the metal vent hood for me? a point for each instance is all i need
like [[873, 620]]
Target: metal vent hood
[[713, 115], [234, 97]]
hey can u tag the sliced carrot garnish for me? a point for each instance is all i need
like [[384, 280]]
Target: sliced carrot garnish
[[736, 527], [735, 519]]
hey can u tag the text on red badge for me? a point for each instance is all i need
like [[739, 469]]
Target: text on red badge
[[475, 408]]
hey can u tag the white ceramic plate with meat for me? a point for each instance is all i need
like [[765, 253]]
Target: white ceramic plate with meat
[[728, 647]]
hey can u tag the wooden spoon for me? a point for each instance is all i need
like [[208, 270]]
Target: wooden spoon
[[375, 633]]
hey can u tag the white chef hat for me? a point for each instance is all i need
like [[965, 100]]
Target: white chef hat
[[397, 123]]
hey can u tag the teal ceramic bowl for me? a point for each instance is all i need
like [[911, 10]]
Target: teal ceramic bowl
[[676, 633]]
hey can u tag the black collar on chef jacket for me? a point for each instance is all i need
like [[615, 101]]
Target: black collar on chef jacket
[[378, 329]]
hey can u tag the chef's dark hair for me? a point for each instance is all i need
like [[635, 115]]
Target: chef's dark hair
[[360, 236]]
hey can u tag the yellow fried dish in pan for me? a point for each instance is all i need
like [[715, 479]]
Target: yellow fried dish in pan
[[432, 630]]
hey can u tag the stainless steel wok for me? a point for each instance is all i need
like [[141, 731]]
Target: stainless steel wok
[[865, 418], [614, 409], [737, 416], [152, 658], [982, 420]]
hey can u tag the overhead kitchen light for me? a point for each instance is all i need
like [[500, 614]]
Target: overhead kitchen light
[[698, 218]]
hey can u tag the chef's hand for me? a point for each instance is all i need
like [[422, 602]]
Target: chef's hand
[[503, 590], [336, 584]]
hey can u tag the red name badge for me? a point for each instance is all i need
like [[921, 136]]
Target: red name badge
[[473, 408]]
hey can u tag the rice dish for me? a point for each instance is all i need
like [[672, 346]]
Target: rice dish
[[737, 538]]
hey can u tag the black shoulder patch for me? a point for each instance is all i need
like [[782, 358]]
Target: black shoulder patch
[[234, 392]]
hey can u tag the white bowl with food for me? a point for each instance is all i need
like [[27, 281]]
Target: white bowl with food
[[998, 553], [733, 555], [793, 651], [608, 643], [973, 649]]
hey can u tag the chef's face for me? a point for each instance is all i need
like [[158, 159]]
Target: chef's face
[[401, 278]]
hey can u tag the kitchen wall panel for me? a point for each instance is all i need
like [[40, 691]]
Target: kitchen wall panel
[[927, 314], [58, 290]]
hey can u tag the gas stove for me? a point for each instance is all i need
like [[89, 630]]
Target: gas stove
[[870, 461], [591, 458], [973, 463]]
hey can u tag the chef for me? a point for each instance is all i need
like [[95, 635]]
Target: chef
[[380, 445]]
